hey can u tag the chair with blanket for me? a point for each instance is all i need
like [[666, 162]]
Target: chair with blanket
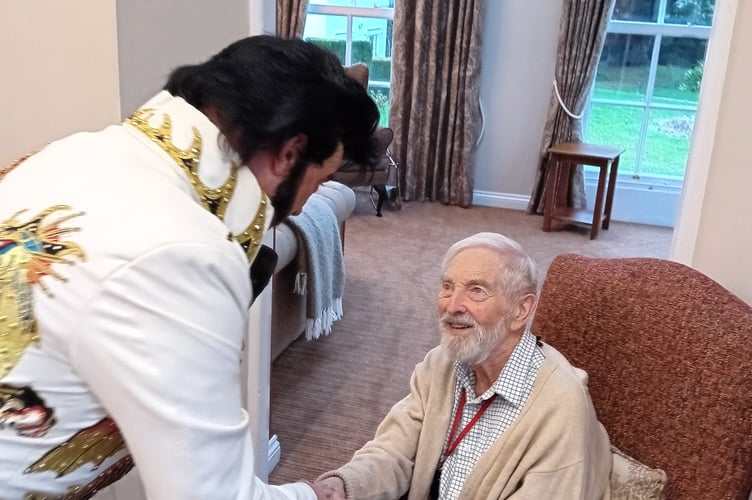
[[669, 355]]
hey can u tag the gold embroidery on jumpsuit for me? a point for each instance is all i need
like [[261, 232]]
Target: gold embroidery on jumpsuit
[[213, 199], [27, 251]]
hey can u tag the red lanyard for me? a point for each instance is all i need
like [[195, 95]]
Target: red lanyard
[[452, 443]]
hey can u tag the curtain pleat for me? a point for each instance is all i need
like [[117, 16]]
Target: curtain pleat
[[582, 32], [435, 111], [291, 16]]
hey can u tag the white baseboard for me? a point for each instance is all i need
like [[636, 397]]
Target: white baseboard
[[500, 200], [640, 201], [636, 202], [275, 450]]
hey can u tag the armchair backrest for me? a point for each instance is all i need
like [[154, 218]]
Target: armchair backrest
[[358, 72], [669, 354], [384, 171]]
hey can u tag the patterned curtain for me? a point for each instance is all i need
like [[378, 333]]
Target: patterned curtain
[[435, 111], [291, 15], [582, 32]]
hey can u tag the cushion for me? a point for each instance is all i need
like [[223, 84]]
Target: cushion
[[631, 480]]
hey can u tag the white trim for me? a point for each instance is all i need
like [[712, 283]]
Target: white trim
[[703, 136], [262, 17], [643, 104], [500, 200], [336, 10], [275, 451], [256, 370], [625, 179], [634, 201], [651, 28], [640, 201]]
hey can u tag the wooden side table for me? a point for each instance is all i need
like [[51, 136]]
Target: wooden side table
[[576, 153]]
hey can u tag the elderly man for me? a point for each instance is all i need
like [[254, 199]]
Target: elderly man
[[492, 413], [124, 274]]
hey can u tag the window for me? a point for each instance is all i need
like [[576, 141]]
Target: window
[[647, 85], [357, 31]]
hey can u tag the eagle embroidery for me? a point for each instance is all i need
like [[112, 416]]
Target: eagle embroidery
[[27, 252], [28, 249]]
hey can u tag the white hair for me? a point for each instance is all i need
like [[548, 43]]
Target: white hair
[[519, 274]]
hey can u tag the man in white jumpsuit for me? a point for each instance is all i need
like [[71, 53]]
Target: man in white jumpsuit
[[124, 274]]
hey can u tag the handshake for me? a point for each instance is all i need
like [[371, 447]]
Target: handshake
[[330, 488]]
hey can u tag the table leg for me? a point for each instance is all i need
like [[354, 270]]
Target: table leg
[[381, 190], [598, 208], [610, 192], [552, 172]]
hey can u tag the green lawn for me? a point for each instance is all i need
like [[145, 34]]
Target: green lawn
[[629, 84], [668, 131], [666, 144]]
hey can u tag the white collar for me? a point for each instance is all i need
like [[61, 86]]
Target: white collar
[[188, 137]]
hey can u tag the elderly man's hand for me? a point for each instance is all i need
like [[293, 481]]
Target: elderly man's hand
[[331, 488]]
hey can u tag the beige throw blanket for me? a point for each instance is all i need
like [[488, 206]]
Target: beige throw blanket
[[321, 274]]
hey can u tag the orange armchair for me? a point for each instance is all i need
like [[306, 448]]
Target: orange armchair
[[669, 354]]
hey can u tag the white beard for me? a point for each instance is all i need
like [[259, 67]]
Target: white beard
[[474, 347]]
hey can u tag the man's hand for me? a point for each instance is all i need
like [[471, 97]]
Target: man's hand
[[331, 488]]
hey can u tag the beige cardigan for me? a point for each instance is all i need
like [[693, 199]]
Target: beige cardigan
[[556, 449]]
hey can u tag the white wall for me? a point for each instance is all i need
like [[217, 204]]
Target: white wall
[[59, 71], [518, 59], [73, 65], [263, 17], [154, 37], [714, 234]]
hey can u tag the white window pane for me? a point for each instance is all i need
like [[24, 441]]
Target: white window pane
[[374, 35], [325, 26], [624, 67], [680, 68], [370, 40], [327, 31], [340, 3], [691, 12], [375, 3], [381, 4], [636, 10]]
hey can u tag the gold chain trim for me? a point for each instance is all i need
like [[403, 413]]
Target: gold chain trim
[[214, 200], [16, 163]]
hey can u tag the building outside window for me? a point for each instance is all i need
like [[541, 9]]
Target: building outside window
[[646, 89], [357, 31]]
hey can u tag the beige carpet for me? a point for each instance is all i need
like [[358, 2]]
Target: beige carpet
[[329, 395]]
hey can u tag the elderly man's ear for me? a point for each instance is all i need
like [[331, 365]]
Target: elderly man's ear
[[522, 312]]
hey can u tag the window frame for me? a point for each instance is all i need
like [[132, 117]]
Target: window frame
[[349, 12], [658, 30]]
